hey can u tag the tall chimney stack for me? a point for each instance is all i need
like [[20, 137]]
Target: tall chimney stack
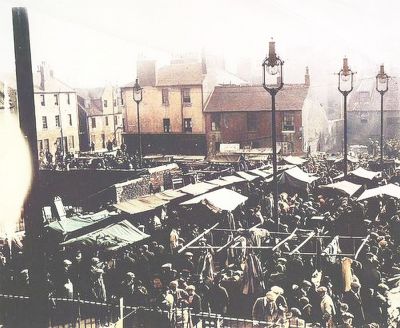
[[307, 77]]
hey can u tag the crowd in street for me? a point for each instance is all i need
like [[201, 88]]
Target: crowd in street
[[279, 286]]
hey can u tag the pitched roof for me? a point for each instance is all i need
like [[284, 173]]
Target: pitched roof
[[180, 74], [51, 84], [93, 110], [366, 98], [255, 98], [92, 93]]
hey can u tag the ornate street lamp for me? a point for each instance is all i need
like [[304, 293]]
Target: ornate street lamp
[[137, 97], [382, 85], [273, 82], [345, 86]]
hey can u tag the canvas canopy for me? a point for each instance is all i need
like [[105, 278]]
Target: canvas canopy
[[197, 188], [365, 174], [349, 159], [344, 187], [170, 194], [259, 173], [246, 176], [390, 190], [225, 158], [220, 182], [72, 224], [221, 199], [295, 160], [133, 206], [297, 178], [233, 179], [112, 237]]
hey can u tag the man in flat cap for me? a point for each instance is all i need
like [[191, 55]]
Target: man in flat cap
[[353, 299], [265, 309]]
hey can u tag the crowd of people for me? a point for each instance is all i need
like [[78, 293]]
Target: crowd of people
[[282, 286]]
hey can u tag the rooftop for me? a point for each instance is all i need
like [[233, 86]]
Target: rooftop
[[255, 98]]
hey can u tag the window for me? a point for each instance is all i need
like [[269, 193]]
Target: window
[[106, 120], [44, 122], [288, 123], [70, 119], [186, 96], [58, 121], [164, 96], [55, 99], [215, 121], [46, 144], [115, 120], [114, 103], [42, 100], [123, 124], [187, 125], [68, 99], [71, 142], [105, 102], [251, 121], [167, 125], [122, 99], [93, 122], [40, 145]]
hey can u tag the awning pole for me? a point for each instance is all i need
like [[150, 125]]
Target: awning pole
[[303, 243], [361, 247], [197, 238], [285, 240]]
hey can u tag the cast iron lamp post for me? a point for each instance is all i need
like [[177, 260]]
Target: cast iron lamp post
[[382, 85], [273, 82], [345, 86]]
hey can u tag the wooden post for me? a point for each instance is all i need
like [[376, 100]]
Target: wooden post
[[34, 245]]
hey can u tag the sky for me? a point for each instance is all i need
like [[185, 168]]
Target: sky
[[93, 43]]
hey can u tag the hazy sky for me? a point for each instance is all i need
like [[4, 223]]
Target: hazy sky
[[90, 43]]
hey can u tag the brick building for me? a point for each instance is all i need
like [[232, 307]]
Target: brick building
[[171, 112], [364, 110], [242, 114]]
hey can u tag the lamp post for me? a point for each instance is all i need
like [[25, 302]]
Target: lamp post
[[272, 83], [345, 86], [382, 85], [137, 97]]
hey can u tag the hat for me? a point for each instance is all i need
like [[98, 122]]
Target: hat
[[295, 311], [347, 315], [189, 254], [383, 286], [95, 260], [67, 262], [271, 296], [306, 306], [130, 275], [277, 290], [355, 284], [281, 260], [322, 289], [306, 283], [167, 266], [190, 287]]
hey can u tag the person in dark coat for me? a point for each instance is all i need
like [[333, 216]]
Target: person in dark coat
[[353, 299], [265, 309], [218, 298]]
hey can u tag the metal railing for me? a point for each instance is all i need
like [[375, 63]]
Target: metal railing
[[76, 313]]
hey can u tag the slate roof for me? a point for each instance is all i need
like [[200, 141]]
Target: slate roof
[[51, 84], [255, 98], [180, 74]]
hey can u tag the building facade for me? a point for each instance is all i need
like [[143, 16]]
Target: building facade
[[100, 116], [171, 112], [56, 110], [364, 113]]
